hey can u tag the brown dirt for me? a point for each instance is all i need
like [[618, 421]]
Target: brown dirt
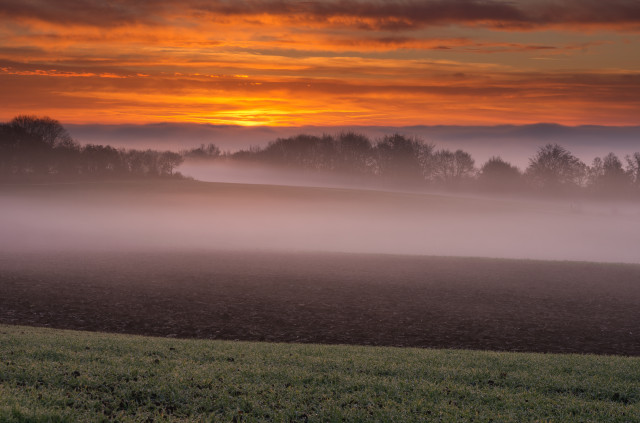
[[433, 302]]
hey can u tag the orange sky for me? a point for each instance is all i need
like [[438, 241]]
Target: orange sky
[[282, 62]]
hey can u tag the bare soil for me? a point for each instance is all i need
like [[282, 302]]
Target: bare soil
[[436, 302]]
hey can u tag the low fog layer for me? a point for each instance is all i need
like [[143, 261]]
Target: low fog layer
[[512, 143], [239, 172], [186, 215]]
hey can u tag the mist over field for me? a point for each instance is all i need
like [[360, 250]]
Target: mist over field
[[146, 216], [455, 175], [238, 172]]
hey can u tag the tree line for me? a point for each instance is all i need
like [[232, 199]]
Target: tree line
[[38, 148], [398, 159], [33, 148]]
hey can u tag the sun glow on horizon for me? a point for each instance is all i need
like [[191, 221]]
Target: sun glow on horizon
[[321, 63]]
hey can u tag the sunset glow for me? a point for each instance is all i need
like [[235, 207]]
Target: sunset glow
[[290, 63]]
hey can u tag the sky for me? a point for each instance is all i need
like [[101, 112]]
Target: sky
[[326, 62]]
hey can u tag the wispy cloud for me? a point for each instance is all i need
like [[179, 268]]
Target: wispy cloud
[[364, 14], [283, 62], [400, 96]]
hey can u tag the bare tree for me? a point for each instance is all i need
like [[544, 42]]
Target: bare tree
[[451, 168], [554, 168], [595, 172], [607, 176], [426, 160], [615, 176], [633, 168], [168, 161], [48, 130]]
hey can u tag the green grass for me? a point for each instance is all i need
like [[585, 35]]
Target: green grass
[[56, 376]]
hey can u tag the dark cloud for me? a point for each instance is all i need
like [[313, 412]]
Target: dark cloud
[[85, 12], [377, 14], [371, 14], [394, 15]]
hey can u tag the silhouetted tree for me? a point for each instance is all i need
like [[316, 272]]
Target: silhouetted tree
[[48, 131], [142, 163], [555, 169], [324, 153], [633, 168], [353, 153], [209, 151], [595, 172], [40, 148], [99, 160], [426, 161], [397, 158], [306, 151], [37, 146], [168, 161], [615, 178], [496, 174], [67, 159], [15, 148], [607, 176], [253, 153], [452, 168], [151, 163]]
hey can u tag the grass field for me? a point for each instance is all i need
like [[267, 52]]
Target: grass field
[[54, 376], [233, 261]]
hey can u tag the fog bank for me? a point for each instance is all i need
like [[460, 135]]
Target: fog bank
[[241, 172], [186, 215]]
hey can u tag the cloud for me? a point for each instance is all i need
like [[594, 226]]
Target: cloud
[[57, 73], [286, 62], [82, 12], [359, 14], [398, 15], [390, 43], [359, 92]]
